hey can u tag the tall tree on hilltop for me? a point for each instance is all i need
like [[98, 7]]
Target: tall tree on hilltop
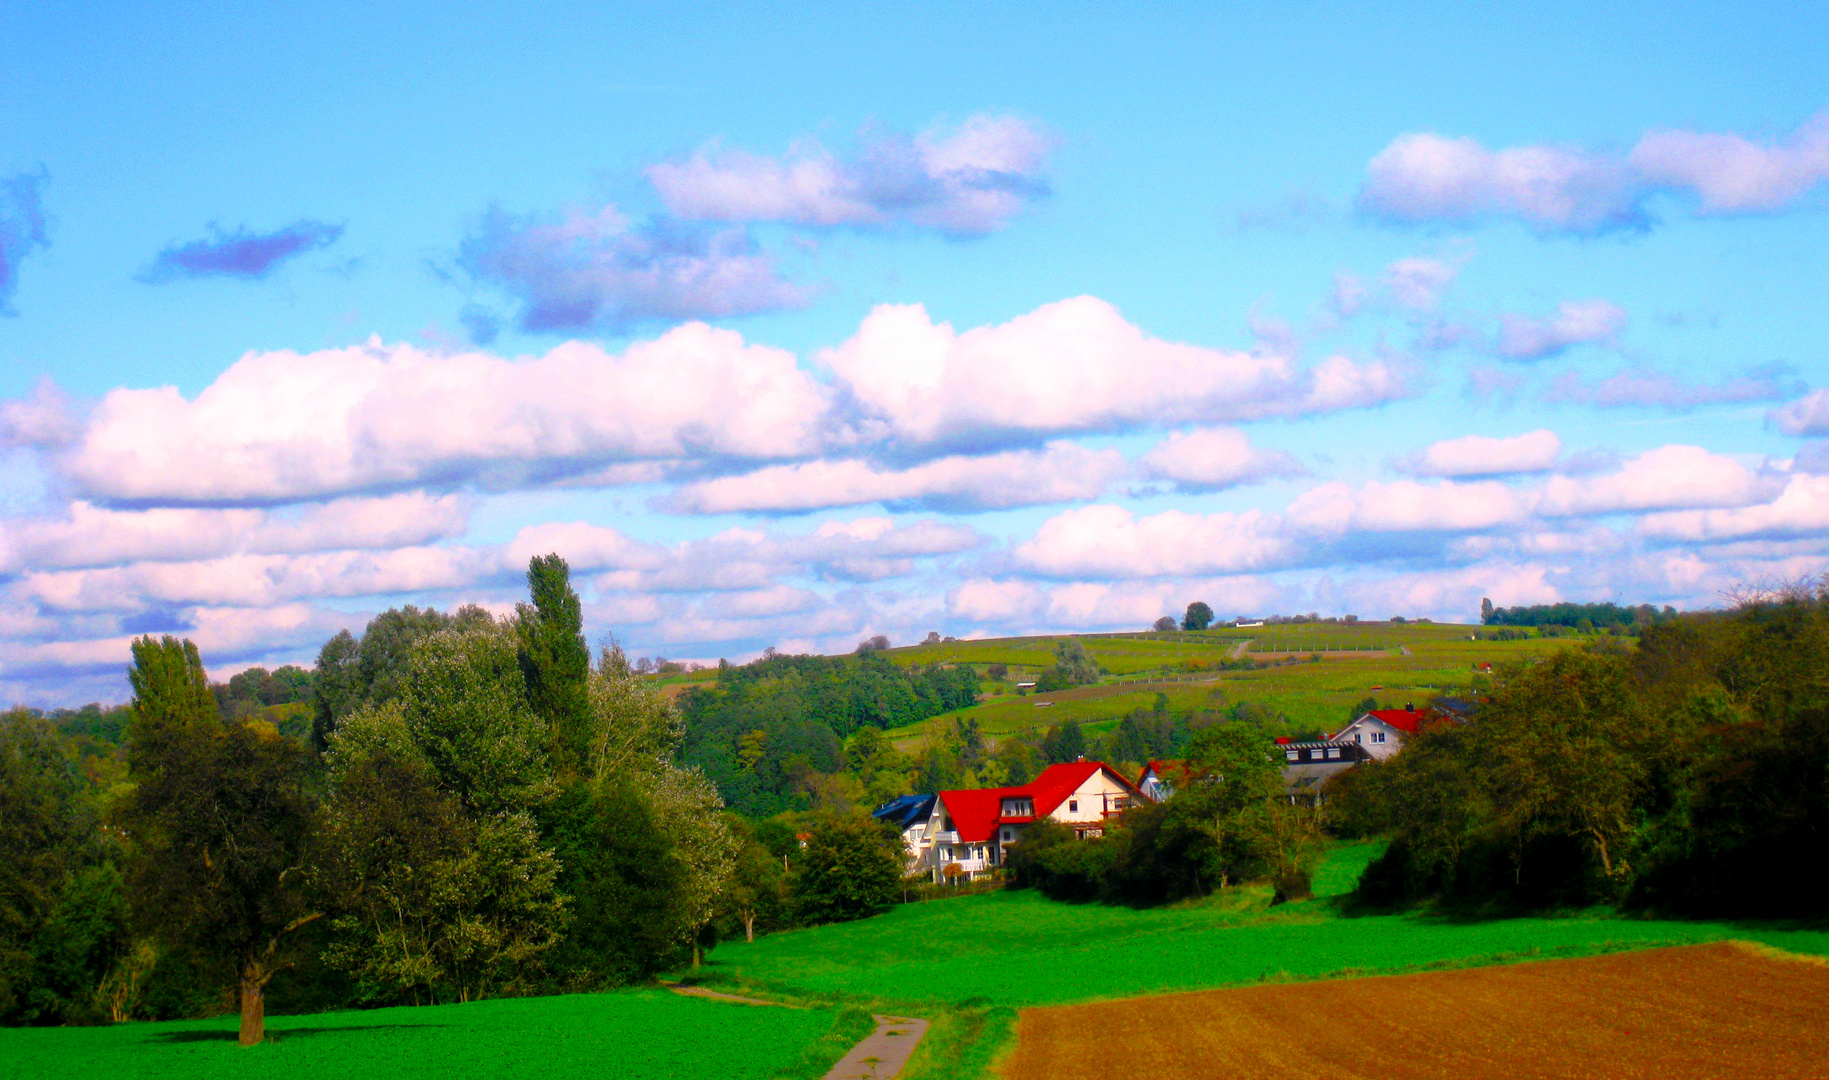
[[1199, 616], [556, 661], [222, 814], [337, 681]]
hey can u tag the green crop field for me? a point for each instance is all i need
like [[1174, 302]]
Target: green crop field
[[632, 1035], [1395, 663], [1017, 948]]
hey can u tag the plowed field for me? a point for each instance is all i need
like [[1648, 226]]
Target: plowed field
[[1719, 1010]]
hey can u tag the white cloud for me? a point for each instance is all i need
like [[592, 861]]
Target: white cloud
[[968, 181], [1061, 472], [1418, 283], [1808, 415], [593, 270], [45, 419], [1209, 459], [1072, 366], [280, 426], [1109, 542], [99, 536], [1406, 506], [1732, 174], [1801, 509], [1576, 322], [1480, 455], [1428, 177], [1670, 477]]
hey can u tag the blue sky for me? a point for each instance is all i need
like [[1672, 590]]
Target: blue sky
[[789, 326]]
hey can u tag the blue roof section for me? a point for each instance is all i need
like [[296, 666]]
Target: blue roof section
[[905, 810]]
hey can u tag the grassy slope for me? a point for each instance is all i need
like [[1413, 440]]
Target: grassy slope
[[633, 1035], [1016, 948], [1395, 663]]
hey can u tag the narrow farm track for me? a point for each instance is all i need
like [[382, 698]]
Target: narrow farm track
[[880, 1055], [1696, 1011]]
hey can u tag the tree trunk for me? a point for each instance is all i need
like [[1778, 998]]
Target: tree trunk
[[253, 1006], [695, 956], [749, 928]]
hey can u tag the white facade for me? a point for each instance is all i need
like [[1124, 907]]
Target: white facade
[[1380, 739]]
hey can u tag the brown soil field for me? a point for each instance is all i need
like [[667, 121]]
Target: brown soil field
[[1720, 1010]]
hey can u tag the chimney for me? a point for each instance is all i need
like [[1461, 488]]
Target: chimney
[[1409, 707]]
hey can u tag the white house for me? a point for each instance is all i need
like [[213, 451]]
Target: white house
[[971, 829], [1381, 732]]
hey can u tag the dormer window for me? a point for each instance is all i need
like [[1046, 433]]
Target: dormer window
[[1333, 753], [1293, 755], [1073, 806]]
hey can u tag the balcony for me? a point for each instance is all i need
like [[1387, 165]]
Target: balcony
[[946, 837], [969, 866]]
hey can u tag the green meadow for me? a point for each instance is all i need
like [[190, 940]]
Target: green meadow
[[967, 963], [1016, 948], [631, 1035]]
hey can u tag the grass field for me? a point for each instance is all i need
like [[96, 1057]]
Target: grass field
[[1676, 1014], [1395, 663], [633, 1035], [968, 963]]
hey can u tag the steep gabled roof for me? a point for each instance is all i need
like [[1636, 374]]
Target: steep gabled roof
[[1404, 720], [905, 810], [975, 810], [1165, 769], [1056, 782]]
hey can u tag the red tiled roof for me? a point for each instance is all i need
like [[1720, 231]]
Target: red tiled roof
[[1164, 768], [1406, 720], [976, 812]]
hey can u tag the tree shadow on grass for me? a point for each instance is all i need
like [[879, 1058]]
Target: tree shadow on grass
[[283, 1034]]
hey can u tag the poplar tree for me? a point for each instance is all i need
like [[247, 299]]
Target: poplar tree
[[555, 661]]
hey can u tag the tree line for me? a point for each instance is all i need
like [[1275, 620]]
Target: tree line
[[477, 808], [1688, 775]]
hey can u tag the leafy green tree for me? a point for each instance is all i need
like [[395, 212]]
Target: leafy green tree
[[757, 892], [1165, 624], [625, 882], [1199, 616], [555, 660], [62, 912], [1064, 742], [337, 679], [851, 868], [223, 813]]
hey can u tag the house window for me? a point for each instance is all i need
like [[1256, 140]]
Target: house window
[[1358, 738], [1006, 836], [1073, 806], [1377, 736], [1293, 755], [1332, 752]]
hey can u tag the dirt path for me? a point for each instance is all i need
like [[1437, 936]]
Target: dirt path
[[883, 1052], [1719, 1010], [879, 1056]]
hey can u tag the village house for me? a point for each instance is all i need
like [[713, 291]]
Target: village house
[[1381, 732], [1160, 779], [969, 831]]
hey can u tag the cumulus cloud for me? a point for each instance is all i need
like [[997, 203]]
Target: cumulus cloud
[[1649, 387], [239, 254], [1428, 177], [1425, 177], [1060, 472], [1731, 174], [23, 230], [597, 271], [1808, 415], [281, 426], [97, 536], [43, 420], [1337, 509], [1480, 455], [1669, 477], [1211, 459], [1109, 542], [1071, 366], [1576, 322], [965, 182], [1800, 509]]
